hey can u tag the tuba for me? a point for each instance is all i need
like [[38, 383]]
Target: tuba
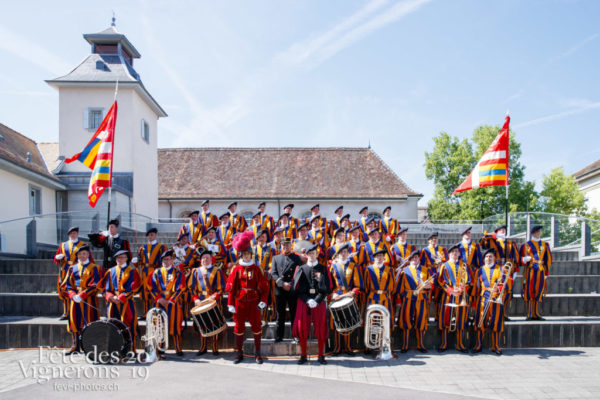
[[157, 333], [377, 331]]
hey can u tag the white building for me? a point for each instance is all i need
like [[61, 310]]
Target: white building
[[28, 189], [85, 96], [588, 180]]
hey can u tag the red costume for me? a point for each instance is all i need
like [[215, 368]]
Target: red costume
[[247, 286]]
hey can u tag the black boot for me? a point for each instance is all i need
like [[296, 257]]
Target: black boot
[[238, 358], [322, 360], [258, 358], [302, 360]]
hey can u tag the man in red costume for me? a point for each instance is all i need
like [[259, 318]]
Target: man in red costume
[[248, 290]]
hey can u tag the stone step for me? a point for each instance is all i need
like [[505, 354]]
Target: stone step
[[22, 283], [566, 284], [565, 256], [48, 304], [31, 332]]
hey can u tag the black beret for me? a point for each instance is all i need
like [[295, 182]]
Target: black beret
[[114, 222], [233, 203], [288, 205], [339, 208], [536, 228], [121, 252], [432, 235], [151, 230], [363, 209], [205, 202], [168, 253], [194, 212], [380, 251], [73, 229], [82, 248]]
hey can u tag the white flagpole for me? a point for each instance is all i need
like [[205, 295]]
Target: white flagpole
[[112, 161]]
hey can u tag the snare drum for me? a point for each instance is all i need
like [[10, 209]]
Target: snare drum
[[106, 340], [208, 318], [346, 315]]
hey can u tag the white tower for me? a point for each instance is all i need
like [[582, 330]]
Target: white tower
[[85, 96]]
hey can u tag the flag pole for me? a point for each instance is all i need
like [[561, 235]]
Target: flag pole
[[111, 161]]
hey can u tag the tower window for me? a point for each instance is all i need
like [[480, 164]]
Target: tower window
[[92, 118], [145, 131]]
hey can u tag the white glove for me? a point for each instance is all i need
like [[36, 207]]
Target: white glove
[[134, 260], [526, 259], [77, 298], [388, 239], [59, 256], [105, 233], [262, 305], [311, 303], [231, 309]]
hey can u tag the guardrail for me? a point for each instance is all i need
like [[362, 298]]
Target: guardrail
[[28, 235]]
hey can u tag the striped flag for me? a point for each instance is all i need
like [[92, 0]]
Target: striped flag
[[98, 156], [492, 168]]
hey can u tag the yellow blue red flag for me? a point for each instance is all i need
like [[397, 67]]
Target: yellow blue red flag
[[492, 168], [98, 156]]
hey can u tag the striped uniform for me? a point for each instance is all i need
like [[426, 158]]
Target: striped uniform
[[485, 279], [193, 231], [207, 221], [368, 249], [82, 279], [263, 255], [380, 287], [414, 307], [122, 282], [149, 259], [400, 252], [170, 284], [69, 250], [238, 223], [289, 231], [389, 227], [320, 238], [506, 251], [428, 256], [203, 283], [225, 234], [448, 279], [346, 277], [534, 277]]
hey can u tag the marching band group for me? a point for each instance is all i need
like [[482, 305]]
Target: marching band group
[[271, 269]]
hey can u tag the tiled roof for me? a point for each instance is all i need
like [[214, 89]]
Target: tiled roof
[[237, 173], [49, 153], [590, 168], [14, 148]]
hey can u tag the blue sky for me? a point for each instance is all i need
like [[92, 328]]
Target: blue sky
[[331, 73]]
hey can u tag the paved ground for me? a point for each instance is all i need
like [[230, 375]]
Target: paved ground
[[569, 373]]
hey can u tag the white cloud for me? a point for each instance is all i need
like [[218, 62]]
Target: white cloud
[[20, 46], [316, 50], [581, 108]]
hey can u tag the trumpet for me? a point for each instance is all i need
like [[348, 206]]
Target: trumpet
[[422, 284], [498, 299]]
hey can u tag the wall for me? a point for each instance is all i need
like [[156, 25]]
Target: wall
[[15, 204], [591, 189]]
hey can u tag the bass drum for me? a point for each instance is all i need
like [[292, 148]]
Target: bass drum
[[106, 341]]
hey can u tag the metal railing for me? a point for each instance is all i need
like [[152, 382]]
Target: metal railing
[[28, 235], [563, 232]]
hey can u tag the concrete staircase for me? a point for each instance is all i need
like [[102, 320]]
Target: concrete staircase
[[29, 308]]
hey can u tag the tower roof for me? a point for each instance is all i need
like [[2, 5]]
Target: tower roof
[[112, 36]]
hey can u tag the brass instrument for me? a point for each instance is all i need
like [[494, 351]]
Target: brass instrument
[[377, 331], [498, 299], [422, 284], [157, 333], [461, 283], [302, 245], [203, 246]]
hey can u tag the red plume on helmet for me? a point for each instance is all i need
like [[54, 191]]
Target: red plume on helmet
[[242, 241]]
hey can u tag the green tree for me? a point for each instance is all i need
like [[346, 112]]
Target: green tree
[[450, 163], [560, 194]]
